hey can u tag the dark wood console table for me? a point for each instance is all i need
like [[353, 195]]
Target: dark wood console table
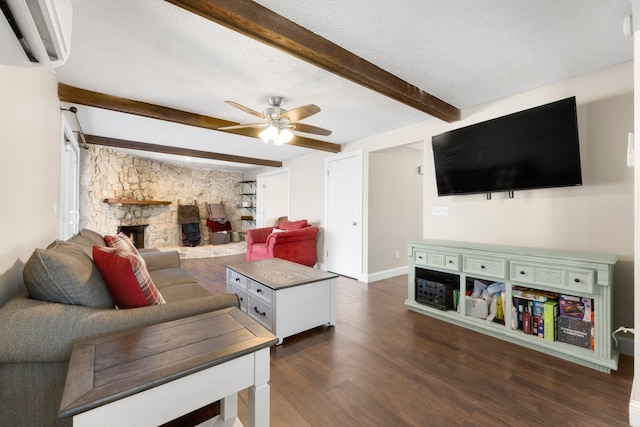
[[152, 375]]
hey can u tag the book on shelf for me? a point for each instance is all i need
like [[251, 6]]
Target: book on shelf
[[534, 294], [576, 321], [535, 317], [551, 320]]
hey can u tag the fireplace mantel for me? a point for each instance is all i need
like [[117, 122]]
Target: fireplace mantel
[[135, 202]]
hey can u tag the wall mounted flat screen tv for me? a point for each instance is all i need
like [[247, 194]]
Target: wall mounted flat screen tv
[[534, 148]]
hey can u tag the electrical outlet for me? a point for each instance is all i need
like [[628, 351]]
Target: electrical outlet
[[397, 254], [440, 211]]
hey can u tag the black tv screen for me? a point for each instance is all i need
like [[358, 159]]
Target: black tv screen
[[534, 148]]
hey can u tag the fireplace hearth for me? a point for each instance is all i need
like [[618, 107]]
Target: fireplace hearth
[[135, 233]]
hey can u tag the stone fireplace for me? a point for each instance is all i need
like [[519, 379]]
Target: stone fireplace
[[107, 173], [135, 233]]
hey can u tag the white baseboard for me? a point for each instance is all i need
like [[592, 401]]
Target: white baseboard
[[381, 275], [634, 404]]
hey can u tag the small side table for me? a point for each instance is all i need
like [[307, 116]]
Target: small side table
[[152, 375]]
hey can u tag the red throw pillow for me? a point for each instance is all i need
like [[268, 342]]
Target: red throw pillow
[[126, 277], [292, 225]]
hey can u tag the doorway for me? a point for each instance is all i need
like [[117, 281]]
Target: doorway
[[272, 197]]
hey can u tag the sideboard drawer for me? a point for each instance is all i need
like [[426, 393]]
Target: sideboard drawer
[[261, 290], [437, 259], [538, 274], [420, 257], [558, 278], [236, 279], [581, 281], [490, 267]]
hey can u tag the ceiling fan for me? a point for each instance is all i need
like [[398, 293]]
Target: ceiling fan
[[278, 122]]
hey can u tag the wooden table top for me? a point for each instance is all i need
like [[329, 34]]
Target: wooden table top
[[106, 369], [278, 273]]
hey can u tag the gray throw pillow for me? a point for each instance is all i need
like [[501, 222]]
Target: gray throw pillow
[[64, 273], [82, 242], [96, 238]]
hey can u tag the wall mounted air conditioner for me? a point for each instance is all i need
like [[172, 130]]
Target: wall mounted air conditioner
[[35, 32]]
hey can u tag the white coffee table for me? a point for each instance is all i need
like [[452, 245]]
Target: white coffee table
[[285, 297]]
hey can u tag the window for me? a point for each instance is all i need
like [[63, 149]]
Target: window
[[69, 181]]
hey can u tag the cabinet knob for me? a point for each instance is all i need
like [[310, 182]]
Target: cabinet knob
[[482, 266], [259, 290], [261, 313], [522, 272], [576, 280], [237, 279], [450, 261]]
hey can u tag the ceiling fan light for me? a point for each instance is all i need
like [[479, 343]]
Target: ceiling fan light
[[270, 134], [284, 137]]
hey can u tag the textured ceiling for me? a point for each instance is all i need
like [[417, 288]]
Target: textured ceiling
[[466, 52]]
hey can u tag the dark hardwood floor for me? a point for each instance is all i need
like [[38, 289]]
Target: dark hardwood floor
[[383, 365]]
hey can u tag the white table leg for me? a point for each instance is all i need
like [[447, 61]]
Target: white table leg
[[229, 407], [259, 393], [259, 406]]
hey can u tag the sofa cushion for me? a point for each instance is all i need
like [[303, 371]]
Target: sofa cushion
[[184, 291], [63, 273], [127, 278], [292, 225], [166, 277]]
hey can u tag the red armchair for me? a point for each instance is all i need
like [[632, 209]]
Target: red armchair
[[296, 245]]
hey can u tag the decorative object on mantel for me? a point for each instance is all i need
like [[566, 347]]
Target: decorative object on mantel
[[115, 201]]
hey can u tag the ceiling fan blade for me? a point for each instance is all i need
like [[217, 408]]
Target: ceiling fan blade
[[248, 125], [301, 112], [247, 110], [301, 127]]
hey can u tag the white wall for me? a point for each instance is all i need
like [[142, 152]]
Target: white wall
[[395, 207], [595, 217], [30, 132], [275, 194]]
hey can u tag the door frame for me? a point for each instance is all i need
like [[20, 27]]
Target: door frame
[[359, 154]]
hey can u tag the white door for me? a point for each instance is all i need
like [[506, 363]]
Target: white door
[[343, 229], [272, 197]]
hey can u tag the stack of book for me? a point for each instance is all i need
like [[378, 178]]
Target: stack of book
[[553, 317], [534, 313]]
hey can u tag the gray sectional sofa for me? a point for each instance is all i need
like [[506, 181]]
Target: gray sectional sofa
[[65, 302]]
